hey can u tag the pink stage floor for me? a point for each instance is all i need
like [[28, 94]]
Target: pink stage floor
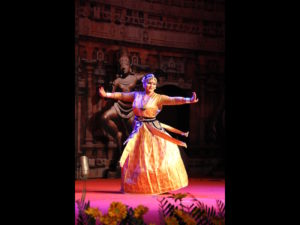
[[101, 192]]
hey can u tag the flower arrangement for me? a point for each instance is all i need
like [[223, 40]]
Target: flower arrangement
[[118, 214], [172, 209], [175, 212]]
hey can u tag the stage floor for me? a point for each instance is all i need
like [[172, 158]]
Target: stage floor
[[101, 192]]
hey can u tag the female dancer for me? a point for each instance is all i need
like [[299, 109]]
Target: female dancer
[[151, 161]]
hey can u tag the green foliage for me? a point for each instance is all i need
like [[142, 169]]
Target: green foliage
[[83, 218], [196, 212], [172, 208]]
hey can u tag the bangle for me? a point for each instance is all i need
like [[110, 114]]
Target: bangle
[[108, 95], [187, 100]]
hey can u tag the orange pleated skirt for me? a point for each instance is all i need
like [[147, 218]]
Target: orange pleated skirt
[[152, 165]]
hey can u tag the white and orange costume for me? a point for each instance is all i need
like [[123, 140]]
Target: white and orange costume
[[151, 162]]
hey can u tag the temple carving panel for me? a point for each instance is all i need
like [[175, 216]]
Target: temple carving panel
[[181, 41]]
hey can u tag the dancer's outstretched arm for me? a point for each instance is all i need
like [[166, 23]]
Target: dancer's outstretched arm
[[124, 96], [167, 100]]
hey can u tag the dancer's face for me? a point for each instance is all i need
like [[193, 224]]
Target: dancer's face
[[150, 85]]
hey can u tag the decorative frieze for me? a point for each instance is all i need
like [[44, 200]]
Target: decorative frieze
[[186, 22], [175, 80], [183, 40], [213, 28], [101, 13], [171, 64], [109, 21], [209, 5]]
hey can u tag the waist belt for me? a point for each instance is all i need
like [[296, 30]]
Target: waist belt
[[155, 131], [150, 124], [145, 119]]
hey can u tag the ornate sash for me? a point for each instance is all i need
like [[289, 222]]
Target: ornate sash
[[155, 127]]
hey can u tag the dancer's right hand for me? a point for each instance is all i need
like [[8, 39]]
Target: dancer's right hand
[[102, 92]]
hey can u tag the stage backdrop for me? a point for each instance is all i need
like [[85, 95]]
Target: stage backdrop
[[182, 42]]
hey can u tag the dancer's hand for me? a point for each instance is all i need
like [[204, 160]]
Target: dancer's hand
[[194, 98], [102, 92]]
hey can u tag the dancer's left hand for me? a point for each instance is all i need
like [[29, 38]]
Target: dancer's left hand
[[194, 98]]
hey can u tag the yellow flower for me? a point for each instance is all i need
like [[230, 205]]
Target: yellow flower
[[94, 212], [139, 211], [178, 196], [117, 210], [178, 212], [189, 220], [107, 220], [171, 221]]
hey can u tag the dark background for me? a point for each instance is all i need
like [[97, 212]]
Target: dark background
[[38, 112]]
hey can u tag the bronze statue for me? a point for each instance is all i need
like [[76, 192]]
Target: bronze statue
[[125, 82]]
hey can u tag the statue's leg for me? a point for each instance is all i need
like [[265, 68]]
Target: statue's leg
[[111, 128], [130, 124]]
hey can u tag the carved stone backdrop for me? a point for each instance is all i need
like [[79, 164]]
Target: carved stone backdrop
[[182, 42]]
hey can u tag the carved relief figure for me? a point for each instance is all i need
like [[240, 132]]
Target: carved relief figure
[[125, 82]]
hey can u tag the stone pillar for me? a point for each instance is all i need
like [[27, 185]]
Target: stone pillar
[[80, 97], [194, 120], [78, 136], [89, 68], [196, 115], [202, 113]]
